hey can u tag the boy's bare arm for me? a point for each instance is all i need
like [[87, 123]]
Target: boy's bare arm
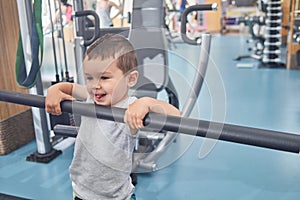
[[60, 92], [136, 111]]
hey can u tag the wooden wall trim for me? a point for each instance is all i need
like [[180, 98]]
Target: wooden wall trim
[[9, 32]]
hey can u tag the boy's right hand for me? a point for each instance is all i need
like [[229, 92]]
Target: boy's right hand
[[53, 98]]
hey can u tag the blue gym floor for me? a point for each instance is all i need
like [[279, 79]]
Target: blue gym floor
[[196, 168]]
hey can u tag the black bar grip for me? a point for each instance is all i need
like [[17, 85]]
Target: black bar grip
[[96, 32], [200, 7], [65, 130], [232, 133]]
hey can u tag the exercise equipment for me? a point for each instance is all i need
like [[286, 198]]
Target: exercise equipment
[[232, 133], [30, 39], [58, 26], [205, 7], [67, 76], [53, 44], [153, 65], [272, 51], [267, 44], [257, 37], [147, 34], [30, 28]]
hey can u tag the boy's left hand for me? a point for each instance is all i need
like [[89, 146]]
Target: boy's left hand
[[136, 111], [135, 114]]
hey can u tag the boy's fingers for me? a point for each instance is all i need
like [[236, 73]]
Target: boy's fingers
[[125, 117], [67, 97], [134, 119], [131, 120], [141, 125], [54, 108], [55, 113]]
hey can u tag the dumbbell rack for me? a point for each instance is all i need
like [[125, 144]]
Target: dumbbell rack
[[272, 51]]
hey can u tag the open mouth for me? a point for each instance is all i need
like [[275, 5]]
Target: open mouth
[[99, 97]]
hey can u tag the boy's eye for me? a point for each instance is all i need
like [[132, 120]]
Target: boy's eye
[[89, 78], [104, 77]]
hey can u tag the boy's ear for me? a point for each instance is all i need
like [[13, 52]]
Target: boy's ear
[[132, 78]]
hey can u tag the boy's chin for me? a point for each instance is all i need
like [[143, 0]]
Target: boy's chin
[[101, 103]]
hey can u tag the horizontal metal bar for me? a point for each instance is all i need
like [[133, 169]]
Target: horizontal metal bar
[[232, 133]]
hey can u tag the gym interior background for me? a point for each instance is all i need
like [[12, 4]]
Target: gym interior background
[[252, 80]]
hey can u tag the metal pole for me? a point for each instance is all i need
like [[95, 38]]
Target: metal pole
[[39, 115], [63, 41], [53, 44], [79, 48], [232, 133]]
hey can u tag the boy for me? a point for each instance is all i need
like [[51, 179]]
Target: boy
[[102, 160]]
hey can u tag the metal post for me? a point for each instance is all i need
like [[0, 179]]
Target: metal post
[[79, 42], [44, 147]]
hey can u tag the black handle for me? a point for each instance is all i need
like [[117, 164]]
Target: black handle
[[200, 7], [96, 32]]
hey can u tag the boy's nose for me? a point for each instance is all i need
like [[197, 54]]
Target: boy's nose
[[97, 84]]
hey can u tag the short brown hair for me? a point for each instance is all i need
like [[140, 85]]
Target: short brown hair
[[115, 46]]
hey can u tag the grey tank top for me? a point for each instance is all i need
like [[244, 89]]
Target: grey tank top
[[102, 160]]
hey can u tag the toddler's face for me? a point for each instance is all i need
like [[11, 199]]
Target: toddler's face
[[106, 83]]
